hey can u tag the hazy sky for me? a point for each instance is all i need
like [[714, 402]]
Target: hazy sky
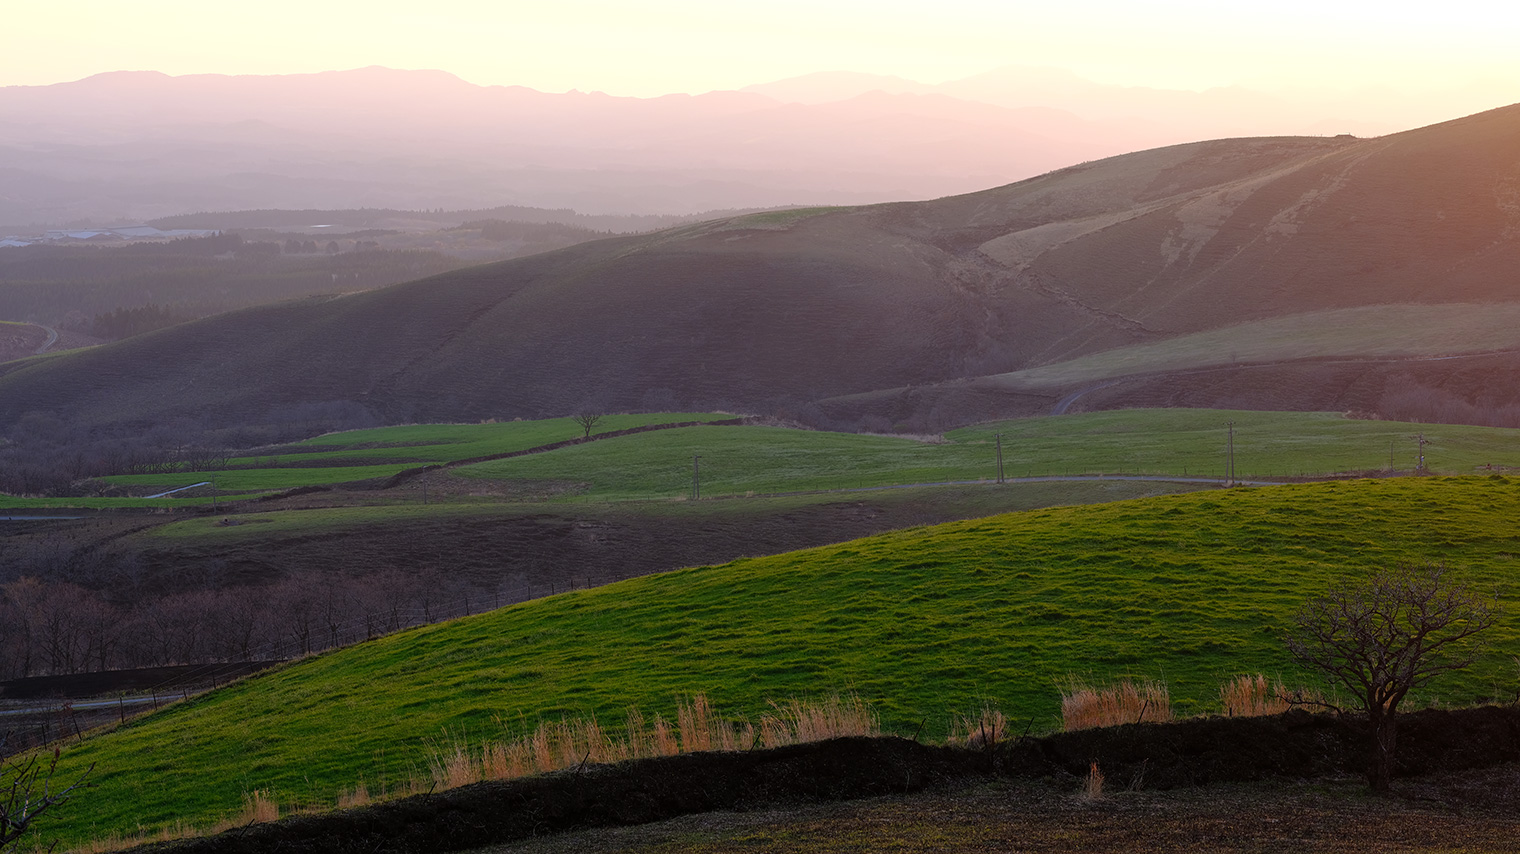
[[661, 46]]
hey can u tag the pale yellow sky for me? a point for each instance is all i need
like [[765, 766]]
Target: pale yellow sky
[[662, 46]]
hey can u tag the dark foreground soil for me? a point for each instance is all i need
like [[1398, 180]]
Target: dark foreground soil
[[1172, 787], [1329, 816]]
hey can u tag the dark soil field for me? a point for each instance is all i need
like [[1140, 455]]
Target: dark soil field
[[1468, 813]]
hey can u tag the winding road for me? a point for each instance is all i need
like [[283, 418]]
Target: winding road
[[1064, 403], [51, 339]]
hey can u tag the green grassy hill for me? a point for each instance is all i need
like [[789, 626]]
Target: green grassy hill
[[924, 624]]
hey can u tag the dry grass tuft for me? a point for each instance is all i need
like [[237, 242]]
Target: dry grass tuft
[[1092, 786], [1253, 696], [979, 733], [358, 796], [258, 807], [798, 722], [1127, 702], [452, 766], [555, 745]]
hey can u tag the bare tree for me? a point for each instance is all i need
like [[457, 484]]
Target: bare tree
[[26, 792], [587, 421], [1383, 636]]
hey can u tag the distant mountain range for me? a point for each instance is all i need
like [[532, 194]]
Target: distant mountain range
[[893, 310], [125, 147]]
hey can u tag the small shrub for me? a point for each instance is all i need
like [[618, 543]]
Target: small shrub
[[1127, 702]]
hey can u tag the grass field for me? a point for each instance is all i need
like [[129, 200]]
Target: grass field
[[363, 454], [923, 623], [742, 460], [1379, 331], [1189, 442]]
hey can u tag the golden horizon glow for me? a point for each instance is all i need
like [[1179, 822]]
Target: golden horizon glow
[[667, 46]]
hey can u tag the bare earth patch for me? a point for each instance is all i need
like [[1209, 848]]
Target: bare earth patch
[[1470, 812]]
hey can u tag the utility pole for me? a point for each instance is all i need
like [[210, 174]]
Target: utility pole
[[999, 437], [1419, 467], [1229, 479], [696, 477]]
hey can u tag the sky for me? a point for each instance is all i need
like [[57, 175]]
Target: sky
[[658, 47]]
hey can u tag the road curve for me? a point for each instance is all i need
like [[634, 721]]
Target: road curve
[[1065, 402], [51, 339]]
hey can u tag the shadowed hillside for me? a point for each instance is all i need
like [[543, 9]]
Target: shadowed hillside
[[772, 311]]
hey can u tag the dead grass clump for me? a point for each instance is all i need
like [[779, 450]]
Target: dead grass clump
[[358, 796], [1126, 702], [258, 807], [798, 722], [452, 765], [981, 733], [1092, 786], [1253, 696]]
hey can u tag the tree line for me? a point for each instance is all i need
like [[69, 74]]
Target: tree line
[[55, 627]]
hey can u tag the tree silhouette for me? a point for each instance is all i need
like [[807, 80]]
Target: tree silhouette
[[587, 422], [27, 791], [1385, 635]]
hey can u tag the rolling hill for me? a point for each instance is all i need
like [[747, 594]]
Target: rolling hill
[[777, 311], [925, 624]]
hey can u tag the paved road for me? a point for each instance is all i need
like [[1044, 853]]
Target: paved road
[[77, 705], [179, 489], [51, 339], [1053, 478]]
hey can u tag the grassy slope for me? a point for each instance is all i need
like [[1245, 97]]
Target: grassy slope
[[1380, 331], [924, 623], [1367, 332]]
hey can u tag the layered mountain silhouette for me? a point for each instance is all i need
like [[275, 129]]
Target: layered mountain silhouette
[[132, 146], [124, 147], [822, 306]]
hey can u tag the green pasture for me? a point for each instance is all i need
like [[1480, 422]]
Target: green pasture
[[341, 457], [924, 624], [1171, 442], [1379, 331], [737, 461]]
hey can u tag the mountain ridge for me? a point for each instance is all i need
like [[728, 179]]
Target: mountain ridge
[[778, 311]]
